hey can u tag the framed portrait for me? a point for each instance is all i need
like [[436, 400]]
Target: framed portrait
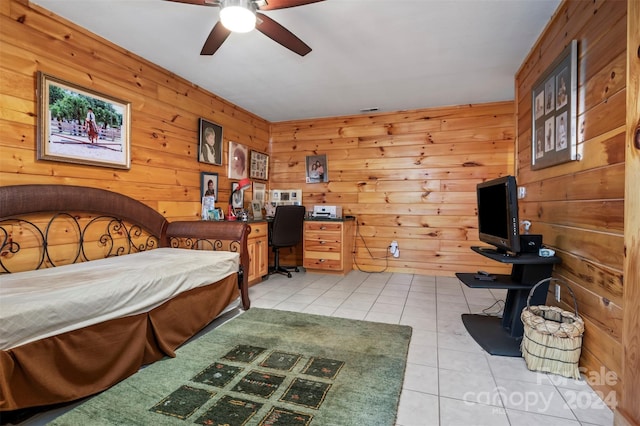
[[209, 184], [256, 210], [259, 166], [554, 112], [316, 169], [237, 161], [79, 125], [237, 198], [259, 191], [209, 142]]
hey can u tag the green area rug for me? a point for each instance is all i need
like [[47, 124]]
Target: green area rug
[[265, 367]]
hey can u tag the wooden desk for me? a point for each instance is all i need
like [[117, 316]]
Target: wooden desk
[[258, 248]]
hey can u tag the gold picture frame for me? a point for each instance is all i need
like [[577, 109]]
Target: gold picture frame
[[82, 126]]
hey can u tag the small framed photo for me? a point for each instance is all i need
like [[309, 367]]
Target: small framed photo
[[210, 142], [256, 208], [79, 125], [209, 185], [259, 166], [237, 161], [237, 199], [317, 169], [259, 191]]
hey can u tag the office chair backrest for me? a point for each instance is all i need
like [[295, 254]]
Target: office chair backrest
[[286, 230]]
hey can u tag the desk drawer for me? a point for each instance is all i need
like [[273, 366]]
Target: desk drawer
[[323, 245], [323, 226], [258, 230], [322, 263]]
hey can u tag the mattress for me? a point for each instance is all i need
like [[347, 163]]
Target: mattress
[[46, 302]]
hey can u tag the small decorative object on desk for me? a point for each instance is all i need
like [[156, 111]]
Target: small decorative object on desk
[[256, 208], [552, 339], [208, 208]]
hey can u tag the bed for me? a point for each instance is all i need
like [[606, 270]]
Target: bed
[[94, 285]]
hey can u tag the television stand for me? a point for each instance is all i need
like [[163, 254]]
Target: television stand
[[503, 336]]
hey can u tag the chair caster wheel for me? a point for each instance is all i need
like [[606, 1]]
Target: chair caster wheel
[[288, 274]]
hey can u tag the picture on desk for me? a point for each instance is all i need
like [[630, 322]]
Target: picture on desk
[[256, 208], [317, 171]]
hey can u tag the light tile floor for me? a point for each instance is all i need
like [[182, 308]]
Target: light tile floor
[[449, 379]]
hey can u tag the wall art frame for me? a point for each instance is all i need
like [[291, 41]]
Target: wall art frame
[[205, 178], [259, 166], [259, 192], [209, 142], [554, 109], [316, 169], [79, 125], [238, 157]]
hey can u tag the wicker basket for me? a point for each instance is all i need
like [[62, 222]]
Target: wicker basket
[[552, 339]]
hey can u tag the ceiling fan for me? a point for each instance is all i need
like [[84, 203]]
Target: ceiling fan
[[248, 10]]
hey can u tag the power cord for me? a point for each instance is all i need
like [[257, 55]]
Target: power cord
[[498, 312], [355, 261]]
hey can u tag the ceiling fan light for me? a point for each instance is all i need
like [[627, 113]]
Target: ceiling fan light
[[238, 16]]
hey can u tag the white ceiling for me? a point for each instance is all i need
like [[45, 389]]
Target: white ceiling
[[387, 54]]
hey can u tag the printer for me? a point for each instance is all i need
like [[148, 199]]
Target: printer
[[330, 212]]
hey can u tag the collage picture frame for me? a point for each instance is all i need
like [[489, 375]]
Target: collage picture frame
[[259, 166], [554, 112]]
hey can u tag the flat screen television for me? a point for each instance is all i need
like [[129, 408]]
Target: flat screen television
[[498, 223]]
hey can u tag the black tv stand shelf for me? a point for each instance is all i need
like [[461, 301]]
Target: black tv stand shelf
[[502, 336]]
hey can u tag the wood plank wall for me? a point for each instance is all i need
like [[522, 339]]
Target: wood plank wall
[[579, 206], [408, 176], [165, 172], [628, 412]]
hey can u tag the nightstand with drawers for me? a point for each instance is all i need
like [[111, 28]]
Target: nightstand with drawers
[[328, 245]]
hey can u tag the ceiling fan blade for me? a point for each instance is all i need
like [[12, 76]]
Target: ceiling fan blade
[[198, 2], [280, 34], [217, 36], [283, 4]]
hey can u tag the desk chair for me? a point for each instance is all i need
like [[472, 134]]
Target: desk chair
[[286, 231]]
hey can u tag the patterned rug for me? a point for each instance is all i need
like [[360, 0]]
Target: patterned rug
[[265, 367]]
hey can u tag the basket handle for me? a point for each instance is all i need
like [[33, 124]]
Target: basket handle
[[551, 279]]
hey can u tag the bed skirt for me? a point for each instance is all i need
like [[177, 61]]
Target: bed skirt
[[83, 362]]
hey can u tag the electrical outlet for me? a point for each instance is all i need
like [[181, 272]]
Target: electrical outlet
[[558, 292], [522, 192], [394, 249]]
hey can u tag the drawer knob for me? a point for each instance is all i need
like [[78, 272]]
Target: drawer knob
[[323, 228], [321, 260], [323, 242]]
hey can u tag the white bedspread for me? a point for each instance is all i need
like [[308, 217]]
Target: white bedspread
[[46, 302]]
